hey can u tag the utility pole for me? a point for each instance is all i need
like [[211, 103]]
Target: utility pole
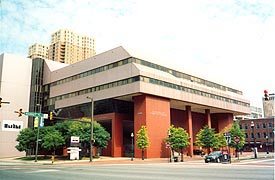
[[92, 128], [37, 136]]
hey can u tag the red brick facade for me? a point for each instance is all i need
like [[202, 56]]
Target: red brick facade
[[262, 135]]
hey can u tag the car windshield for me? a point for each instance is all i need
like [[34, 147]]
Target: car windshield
[[214, 153]]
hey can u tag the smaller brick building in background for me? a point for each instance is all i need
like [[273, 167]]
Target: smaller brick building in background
[[262, 135]]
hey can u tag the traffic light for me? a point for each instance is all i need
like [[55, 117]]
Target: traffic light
[[0, 101], [20, 112], [266, 95], [51, 115], [93, 141]]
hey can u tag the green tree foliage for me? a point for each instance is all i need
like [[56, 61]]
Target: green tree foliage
[[101, 136], [52, 139], [63, 128], [142, 140], [27, 137], [178, 139], [26, 140], [235, 132], [207, 138]]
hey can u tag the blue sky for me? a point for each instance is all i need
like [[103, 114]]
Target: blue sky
[[228, 41]]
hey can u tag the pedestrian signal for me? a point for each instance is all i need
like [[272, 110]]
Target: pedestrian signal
[[20, 112]]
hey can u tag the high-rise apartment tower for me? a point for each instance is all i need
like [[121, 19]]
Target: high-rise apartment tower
[[38, 51], [69, 47]]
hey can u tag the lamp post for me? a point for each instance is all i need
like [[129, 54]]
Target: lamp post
[[132, 154], [169, 135], [267, 152], [254, 142], [37, 135], [92, 128]]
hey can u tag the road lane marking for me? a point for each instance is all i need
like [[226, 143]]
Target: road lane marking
[[42, 170]]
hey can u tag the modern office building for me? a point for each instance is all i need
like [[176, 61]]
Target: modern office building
[[38, 51], [130, 91], [258, 133], [69, 47], [15, 82], [256, 113]]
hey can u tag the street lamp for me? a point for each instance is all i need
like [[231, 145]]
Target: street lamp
[[169, 135], [132, 137], [92, 127], [267, 152], [37, 135], [254, 143]]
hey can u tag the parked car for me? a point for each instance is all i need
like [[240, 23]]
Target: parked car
[[198, 152], [215, 156]]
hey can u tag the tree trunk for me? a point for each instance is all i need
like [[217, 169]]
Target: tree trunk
[[142, 154], [181, 155]]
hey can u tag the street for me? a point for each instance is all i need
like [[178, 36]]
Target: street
[[258, 169]]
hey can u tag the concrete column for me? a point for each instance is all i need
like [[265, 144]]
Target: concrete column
[[208, 118], [190, 129]]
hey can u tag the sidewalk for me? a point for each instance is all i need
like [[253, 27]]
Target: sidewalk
[[127, 160]]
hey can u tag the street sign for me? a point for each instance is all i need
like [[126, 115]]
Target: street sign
[[237, 139], [227, 137], [41, 122], [34, 114]]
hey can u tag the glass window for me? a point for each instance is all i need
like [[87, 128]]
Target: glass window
[[269, 125], [257, 126], [252, 135], [258, 135], [270, 134], [245, 126], [264, 125]]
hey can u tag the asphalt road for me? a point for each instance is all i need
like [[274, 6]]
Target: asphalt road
[[262, 169]]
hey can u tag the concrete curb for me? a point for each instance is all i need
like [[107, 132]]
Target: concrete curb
[[126, 160]]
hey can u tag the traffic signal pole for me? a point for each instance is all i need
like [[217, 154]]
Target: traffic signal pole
[[37, 136], [1, 102]]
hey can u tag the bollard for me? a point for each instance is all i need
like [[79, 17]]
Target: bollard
[[52, 158]]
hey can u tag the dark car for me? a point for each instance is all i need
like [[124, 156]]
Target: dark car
[[198, 152], [215, 156]]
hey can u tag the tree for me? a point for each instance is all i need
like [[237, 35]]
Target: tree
[[83, 130], [63, 128], [178, 139], [142, 140], [26, 140], [52, 139], [207, 138], [101, 137], [236, 133]]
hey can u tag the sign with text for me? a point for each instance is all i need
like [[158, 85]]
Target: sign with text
[[36, 121], [74, 139], [34, 114], [10, 125]]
